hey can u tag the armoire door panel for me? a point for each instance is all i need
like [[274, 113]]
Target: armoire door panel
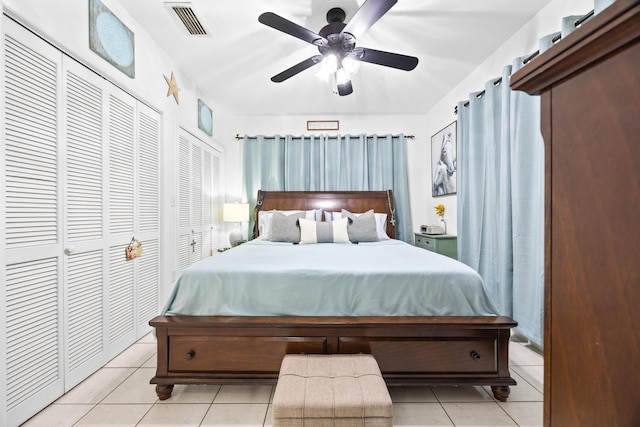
[[595, 284]]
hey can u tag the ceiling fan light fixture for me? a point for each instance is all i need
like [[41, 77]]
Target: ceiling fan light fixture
[[342, 76], [328, 66], [350, 65]]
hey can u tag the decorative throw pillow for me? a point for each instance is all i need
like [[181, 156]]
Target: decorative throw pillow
[[284, 228], [264, 220], [361, 228], [323, 232], [381, 222]]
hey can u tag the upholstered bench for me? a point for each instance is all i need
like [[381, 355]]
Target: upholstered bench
[[344, 390]]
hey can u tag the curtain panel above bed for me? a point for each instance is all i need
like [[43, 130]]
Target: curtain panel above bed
[[330, 163]]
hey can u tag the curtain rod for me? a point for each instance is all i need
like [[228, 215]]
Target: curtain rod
[[577, 23], [239, 137], [479, 95]]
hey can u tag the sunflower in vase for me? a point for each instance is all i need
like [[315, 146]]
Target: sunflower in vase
[[440, 212]]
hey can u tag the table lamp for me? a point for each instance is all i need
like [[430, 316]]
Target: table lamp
[[235, 212]]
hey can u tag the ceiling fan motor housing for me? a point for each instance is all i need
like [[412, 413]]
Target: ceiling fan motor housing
[[340, 44]]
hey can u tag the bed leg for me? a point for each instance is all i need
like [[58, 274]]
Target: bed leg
[[164, 391], [501, 392]]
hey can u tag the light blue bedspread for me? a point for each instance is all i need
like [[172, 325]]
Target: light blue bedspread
[[387, 278]]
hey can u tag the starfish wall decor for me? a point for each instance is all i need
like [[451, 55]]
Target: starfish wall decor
[[173, 87]]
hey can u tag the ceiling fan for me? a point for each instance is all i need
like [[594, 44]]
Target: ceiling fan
[[336, 42]]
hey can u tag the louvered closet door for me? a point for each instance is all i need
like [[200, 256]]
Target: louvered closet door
[[85, 225], [111, 194], [199, 199], [148, 227], [121, 110], [79, 180], [133, 137], [31, 236], [212, 206]]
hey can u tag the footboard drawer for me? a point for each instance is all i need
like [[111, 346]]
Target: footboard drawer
[[235, 354], [450, 356]]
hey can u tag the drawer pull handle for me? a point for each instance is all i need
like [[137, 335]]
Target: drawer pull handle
[[475, 356], [190, 355]]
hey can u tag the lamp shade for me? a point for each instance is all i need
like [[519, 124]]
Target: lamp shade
[[235, 212]]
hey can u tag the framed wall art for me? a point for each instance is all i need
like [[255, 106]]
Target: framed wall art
[[111, 39], [323, 125], [444, 147], [205, 118]]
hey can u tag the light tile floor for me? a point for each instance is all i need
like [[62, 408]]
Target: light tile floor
[[120, 394]]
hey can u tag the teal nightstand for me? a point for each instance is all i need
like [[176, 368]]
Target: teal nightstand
[[444, 244]]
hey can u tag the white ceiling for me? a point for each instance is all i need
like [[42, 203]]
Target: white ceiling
[[232, 66]]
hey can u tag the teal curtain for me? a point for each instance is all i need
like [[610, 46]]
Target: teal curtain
[[330, 163], [501, 191], [501, 198]]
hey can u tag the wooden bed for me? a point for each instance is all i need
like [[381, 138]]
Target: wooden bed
[[411, 350]]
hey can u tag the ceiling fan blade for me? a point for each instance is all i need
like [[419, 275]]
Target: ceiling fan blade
[[367, 15], [290, 72], [388, 59], [345, 88], [279, 23]]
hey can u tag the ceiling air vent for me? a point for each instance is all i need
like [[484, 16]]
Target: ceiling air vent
[[187, 16]]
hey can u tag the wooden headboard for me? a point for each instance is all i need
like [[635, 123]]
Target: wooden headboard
[[329, 201]]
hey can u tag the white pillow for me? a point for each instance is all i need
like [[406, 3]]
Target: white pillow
[[324, 231], [264, 220], [381, 222]]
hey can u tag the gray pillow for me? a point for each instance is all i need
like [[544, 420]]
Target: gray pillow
[[284, 228], [323, 232], [361, 228]]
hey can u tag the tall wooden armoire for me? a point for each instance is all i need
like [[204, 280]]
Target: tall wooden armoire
[[589, 84]]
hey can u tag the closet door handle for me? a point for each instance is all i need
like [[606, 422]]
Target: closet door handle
[[69, 250]]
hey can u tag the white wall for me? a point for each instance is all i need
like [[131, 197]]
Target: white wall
[[522, 43]]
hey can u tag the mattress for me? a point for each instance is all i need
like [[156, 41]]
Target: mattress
[[386, 278]]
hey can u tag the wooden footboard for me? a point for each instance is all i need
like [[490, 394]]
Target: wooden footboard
[[409, 350]]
